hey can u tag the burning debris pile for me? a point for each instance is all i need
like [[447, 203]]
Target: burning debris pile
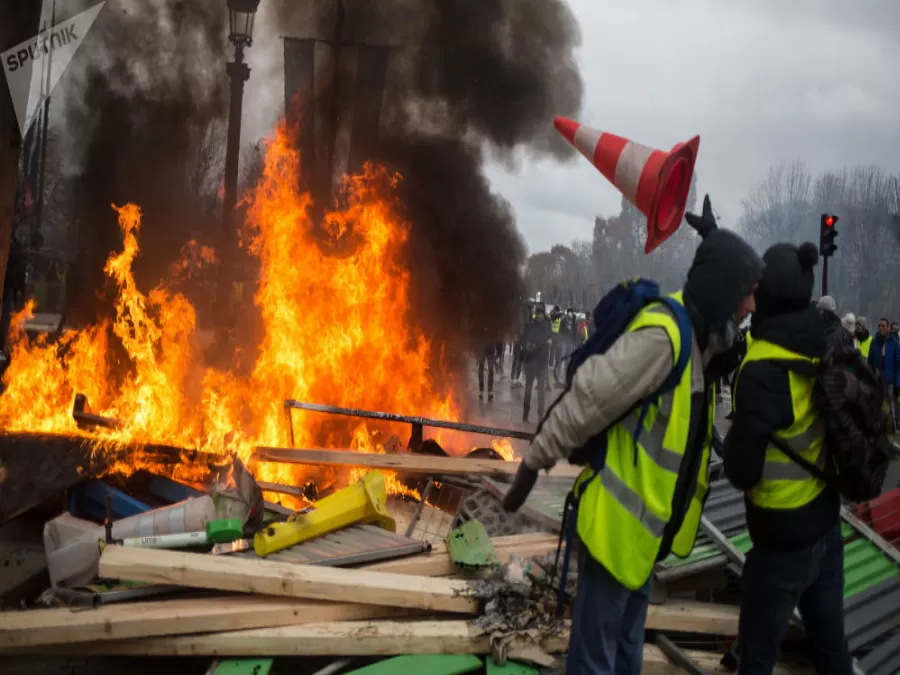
[[335, 330]]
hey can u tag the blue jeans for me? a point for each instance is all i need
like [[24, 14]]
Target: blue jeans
[[812, 580], [607, 623]]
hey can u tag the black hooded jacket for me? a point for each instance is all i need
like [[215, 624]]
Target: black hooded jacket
[[762, 405], [836, 336]]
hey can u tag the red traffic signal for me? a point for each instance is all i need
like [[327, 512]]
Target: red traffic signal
[[827, 233]]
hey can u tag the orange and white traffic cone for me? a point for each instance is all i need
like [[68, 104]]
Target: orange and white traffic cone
[[656, 182]]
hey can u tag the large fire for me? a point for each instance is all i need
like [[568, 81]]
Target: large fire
[[337, 330]]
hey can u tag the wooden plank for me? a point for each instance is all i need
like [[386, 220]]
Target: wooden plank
[[245, 575], [375, 638], [409, 463], [437, 563], [348, 638], [181, 616]]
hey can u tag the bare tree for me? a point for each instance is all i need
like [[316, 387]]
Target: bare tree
[[787, 206]]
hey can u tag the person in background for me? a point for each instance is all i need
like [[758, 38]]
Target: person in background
[[581, 330], [863, 338], [536, 355], [499, 352], [836, 337], [486, 355], [793, 517], [556, 316], [884, 358], [849, 324], [894, 330]]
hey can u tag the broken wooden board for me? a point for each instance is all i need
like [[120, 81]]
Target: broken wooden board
[[244, 575], [373, 638], [407, 463]]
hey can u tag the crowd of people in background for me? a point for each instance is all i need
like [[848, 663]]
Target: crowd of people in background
[[542, 344]]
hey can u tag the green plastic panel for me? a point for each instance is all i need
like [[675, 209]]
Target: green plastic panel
[[243, 667], [470, 546], [424, 664], [509, 668]]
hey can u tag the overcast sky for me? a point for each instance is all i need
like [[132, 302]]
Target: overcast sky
[[758, 80]]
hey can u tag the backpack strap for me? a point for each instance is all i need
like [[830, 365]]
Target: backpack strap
[[809, 466], [683, 321]]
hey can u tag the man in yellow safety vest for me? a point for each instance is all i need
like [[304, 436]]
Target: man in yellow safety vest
[[647, 499], [863, 337], [793, 517]]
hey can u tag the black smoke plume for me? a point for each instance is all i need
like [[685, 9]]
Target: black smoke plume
[[471, 80], [149, 84], [467, 80]]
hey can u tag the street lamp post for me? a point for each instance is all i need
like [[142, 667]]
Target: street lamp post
[[240, 21]]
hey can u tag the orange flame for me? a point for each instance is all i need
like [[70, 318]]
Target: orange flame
[[334, 302]]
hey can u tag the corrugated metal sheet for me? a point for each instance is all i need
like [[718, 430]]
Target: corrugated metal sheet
[[883, 659], [873, 613], [864, 565], [350, 546], [725, 508]]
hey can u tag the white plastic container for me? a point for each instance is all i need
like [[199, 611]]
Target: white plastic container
[[72, 548], [191, 515]]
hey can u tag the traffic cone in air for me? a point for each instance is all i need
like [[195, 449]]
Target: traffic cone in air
[[656, 182]]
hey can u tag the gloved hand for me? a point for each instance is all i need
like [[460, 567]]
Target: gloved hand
[[520, 489], [705, 222]]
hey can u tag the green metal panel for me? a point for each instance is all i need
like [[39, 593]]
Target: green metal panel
[[243, 667], [864, 564], [424, 664], [510, 668]]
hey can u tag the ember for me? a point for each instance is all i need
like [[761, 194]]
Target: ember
[[337, 330]]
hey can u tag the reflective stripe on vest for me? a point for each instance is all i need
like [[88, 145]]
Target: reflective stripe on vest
[[785, 484], [554, 324], [623, 512]]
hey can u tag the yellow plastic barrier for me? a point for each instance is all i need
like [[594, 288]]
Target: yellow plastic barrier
[[363, 502]]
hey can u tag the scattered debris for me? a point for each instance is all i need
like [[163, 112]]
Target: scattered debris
[[150, 566]]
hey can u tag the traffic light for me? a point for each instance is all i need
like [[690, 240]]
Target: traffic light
[[827, 233]]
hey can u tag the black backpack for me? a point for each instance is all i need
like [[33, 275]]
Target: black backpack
[[859, 437]]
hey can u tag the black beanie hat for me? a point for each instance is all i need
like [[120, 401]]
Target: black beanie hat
[[724, 270], [787, 283], [789, 272]]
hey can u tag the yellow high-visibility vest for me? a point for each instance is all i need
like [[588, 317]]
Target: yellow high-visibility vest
[[785, 484], [554, 324], [623, 512], [864, 345]]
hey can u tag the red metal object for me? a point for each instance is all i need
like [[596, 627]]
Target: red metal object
[[883, 516]]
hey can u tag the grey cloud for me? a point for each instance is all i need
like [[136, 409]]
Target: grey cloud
[[759, 81]]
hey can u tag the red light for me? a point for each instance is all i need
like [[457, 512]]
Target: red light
[[829, 221]]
